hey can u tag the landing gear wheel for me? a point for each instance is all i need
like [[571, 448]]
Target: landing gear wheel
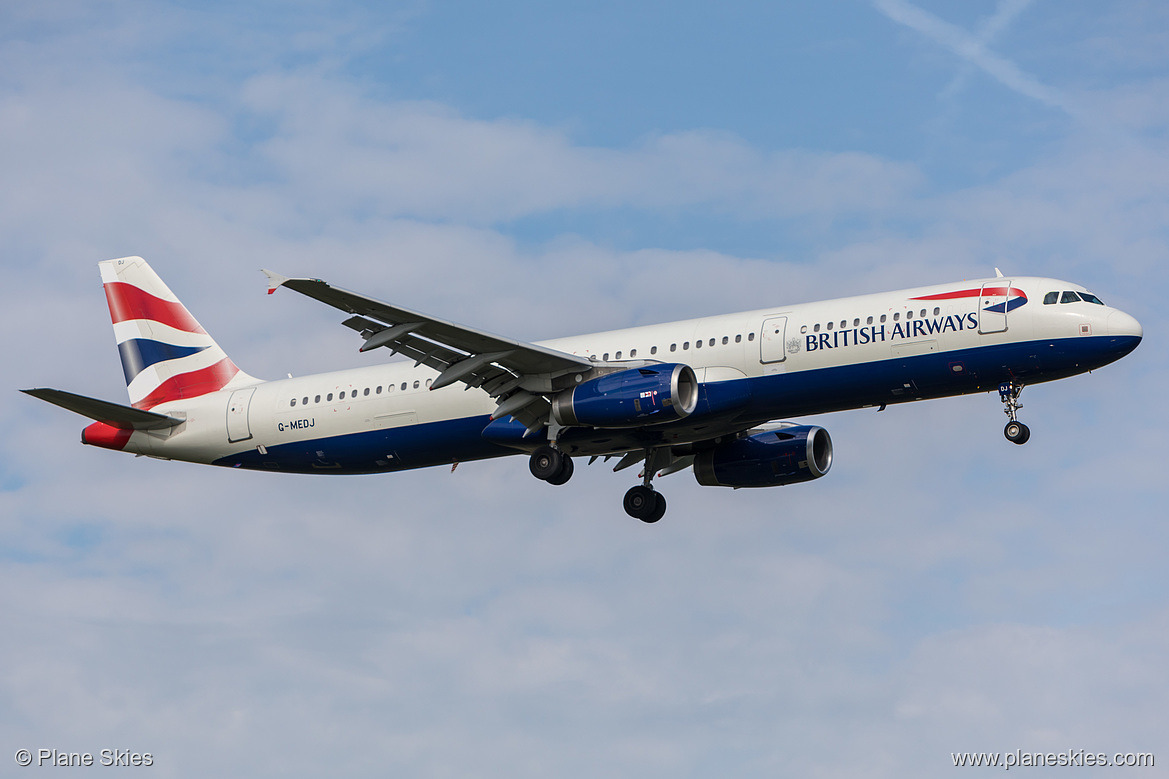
[[659, 510], [1017, 432], [643, 503], [546, 463], [565, 472]]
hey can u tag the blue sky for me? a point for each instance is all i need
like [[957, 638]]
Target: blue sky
[[542, 169]]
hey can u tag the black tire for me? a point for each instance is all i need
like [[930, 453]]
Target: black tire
[[1017, 432], [546, 463], [565, 472], [659, 510], [640, 502]]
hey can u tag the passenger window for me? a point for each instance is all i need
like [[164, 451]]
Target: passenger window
[[653, 350], [856, 322], [404, 385], [816, 328], [377, 390], [830, 325], [366, 393], [1050, 298], [342, 396], [843, 323], [329, 396], [294, 401], [617, 356], [427, 382], [698, 344], [869, 321], [1069, 297], [896, 316], [923, 313], [605, 357], [937, 311], [908, 315], [803, 329], [1088, 297], [738, 339], [882, 318], [632, 352], [750, 336], [415, 385], [685, 345], [304, 401], [673, 347], [711, 342], [317, 399], [726, 340]]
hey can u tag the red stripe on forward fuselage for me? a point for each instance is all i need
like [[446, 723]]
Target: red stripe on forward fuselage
[[128, 302], [191, 385], [973, 293]]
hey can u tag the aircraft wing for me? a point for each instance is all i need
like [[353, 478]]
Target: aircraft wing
[[515, 373]]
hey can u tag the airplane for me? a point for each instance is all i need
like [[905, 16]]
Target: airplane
[[701, 394]]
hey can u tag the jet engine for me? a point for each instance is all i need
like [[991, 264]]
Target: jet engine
[[651, 395], [769, 459]]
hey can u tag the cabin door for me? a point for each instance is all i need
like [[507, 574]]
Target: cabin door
[[992, 306], [771, 340], [237, 415]]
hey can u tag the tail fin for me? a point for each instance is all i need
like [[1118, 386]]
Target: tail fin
[[166, 354]]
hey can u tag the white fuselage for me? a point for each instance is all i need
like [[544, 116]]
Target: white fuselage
[[789, 356]]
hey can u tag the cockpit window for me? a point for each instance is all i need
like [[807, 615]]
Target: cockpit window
[[1088, 297], [1050, 298], [1069, 297]]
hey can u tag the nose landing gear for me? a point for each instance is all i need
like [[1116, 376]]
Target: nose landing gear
[[1015, 431]]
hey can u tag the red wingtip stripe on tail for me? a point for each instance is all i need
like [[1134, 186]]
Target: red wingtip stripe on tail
[[128, 302], [191, 385]]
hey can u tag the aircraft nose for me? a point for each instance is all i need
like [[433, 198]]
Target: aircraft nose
[[1120, 323]]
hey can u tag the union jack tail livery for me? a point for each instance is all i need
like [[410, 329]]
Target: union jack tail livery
[[166, 354]]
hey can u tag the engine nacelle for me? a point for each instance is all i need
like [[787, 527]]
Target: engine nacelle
[[771, 459], [651, 395]]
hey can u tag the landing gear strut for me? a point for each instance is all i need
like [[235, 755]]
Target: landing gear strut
[[551, 465], [1015, 431], [642, 502]]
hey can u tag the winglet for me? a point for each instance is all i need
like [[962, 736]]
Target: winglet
[[275, 280], [998, 274]]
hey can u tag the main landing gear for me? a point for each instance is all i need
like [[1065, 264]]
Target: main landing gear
[[551, 465], [641, 502], [1015, 431]]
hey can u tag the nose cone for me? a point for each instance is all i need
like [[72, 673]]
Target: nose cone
[[1120, 323]]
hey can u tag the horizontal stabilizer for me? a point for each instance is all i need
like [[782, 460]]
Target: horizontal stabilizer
[[112, 414]]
